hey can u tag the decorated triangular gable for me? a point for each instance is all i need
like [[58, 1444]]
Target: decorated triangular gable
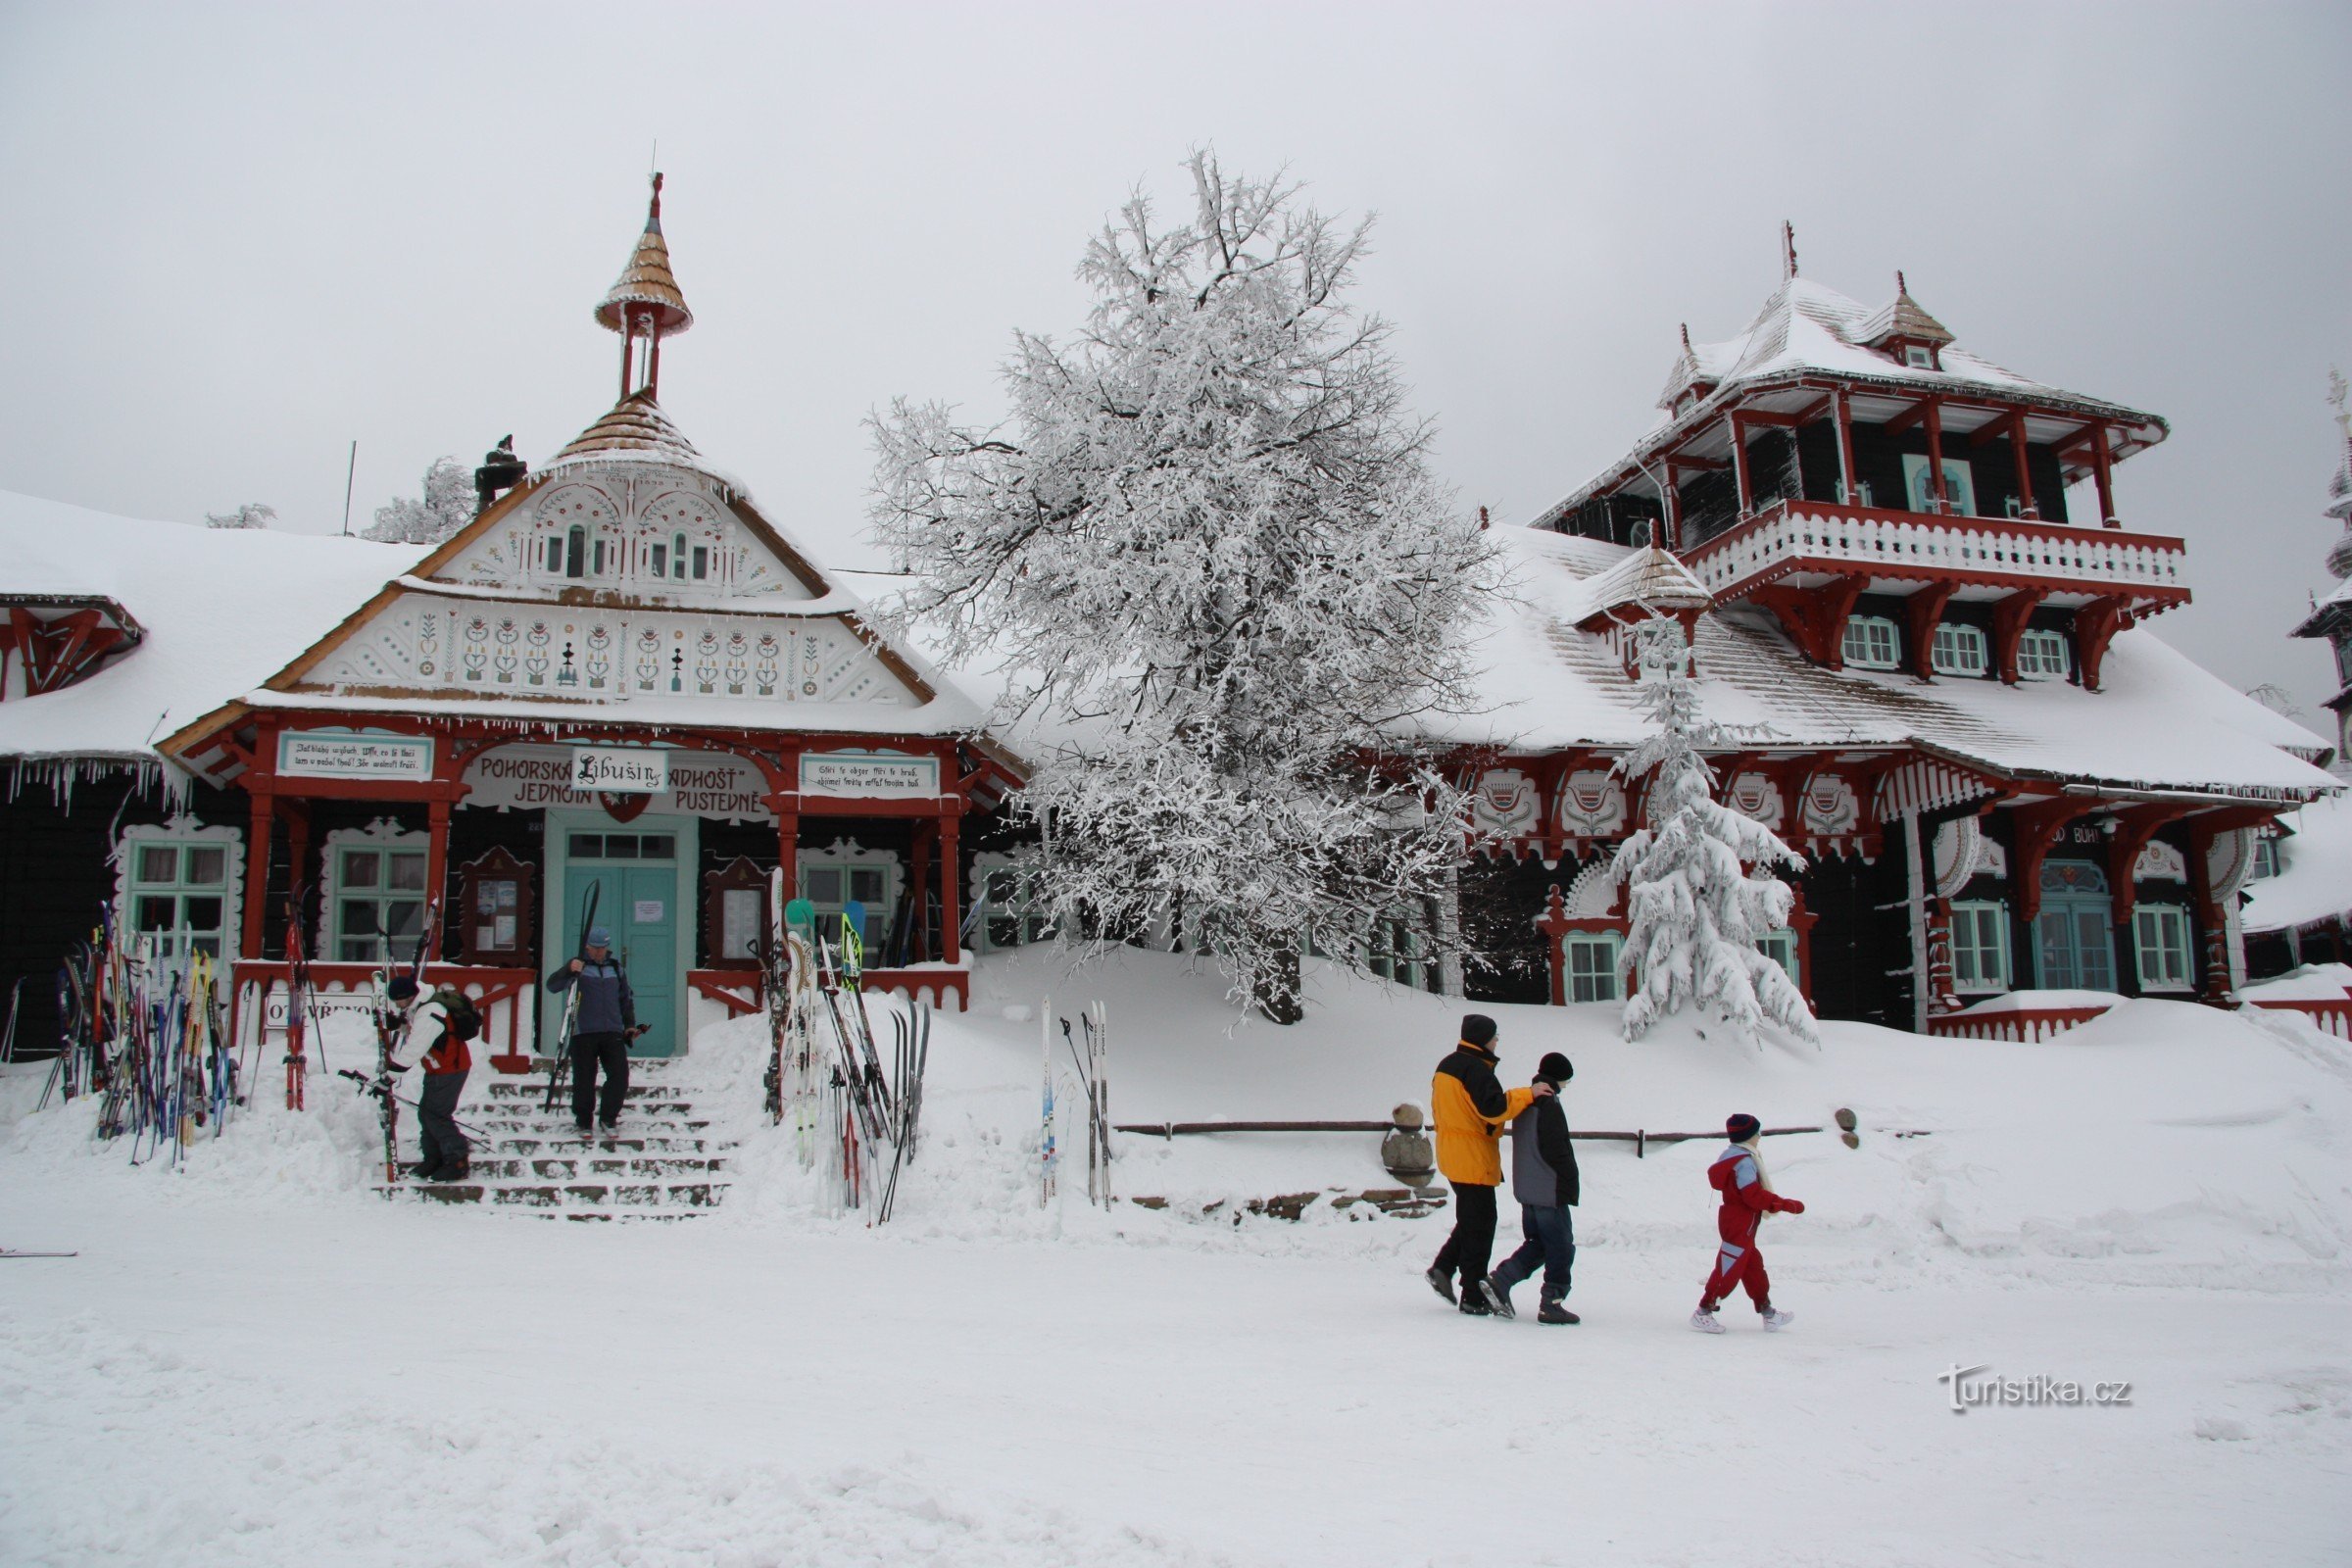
[[647, 530]]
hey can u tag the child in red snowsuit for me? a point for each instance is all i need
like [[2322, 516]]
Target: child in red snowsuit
[[1747, 1196]]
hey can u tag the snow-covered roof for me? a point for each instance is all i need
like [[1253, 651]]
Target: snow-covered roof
[[647, 279], [2159, 722], [2314, 871], [224, 610], [1647, 580]]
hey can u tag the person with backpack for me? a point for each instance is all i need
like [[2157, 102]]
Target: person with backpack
[[601, 1031], [448, 1018]]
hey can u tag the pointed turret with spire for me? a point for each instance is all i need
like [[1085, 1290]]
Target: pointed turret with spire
[[2331, 617], [645, 305]]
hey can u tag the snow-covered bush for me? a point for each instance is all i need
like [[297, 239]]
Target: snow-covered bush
[[447, 506], [1209, 550], [1700, 891], [252, 515]]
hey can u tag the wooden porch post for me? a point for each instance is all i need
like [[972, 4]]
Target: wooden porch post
[[1846, 448], [2025, 474], [2102, 466], [436, 876], [1943, 500], [257, 866], [1748, 492], [919, 891], [950, 911]]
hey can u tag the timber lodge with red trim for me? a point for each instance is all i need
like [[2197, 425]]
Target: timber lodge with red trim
[[1928, 666]]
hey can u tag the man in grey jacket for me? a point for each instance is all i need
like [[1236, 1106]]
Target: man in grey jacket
[[1544, 1179], [601, 1031]]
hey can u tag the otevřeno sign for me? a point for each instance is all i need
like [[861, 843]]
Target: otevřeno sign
[[620, 771]]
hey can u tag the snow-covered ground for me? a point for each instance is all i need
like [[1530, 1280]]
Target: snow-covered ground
[[257, 1361]]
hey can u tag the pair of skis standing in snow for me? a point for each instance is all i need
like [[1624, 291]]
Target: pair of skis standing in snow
[[1471, 1108], [1092, 1063]]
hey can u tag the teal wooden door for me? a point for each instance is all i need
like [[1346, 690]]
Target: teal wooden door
[[638, 874], [2075, 930]]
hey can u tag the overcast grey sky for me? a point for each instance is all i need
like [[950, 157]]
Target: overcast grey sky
[[238, 236]]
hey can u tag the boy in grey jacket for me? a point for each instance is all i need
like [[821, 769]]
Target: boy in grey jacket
[[1543, 1178]]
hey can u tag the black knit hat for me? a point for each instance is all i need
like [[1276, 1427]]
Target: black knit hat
[[1477, 1029], [1742, 1127], [401, 986], [1554, 1069]]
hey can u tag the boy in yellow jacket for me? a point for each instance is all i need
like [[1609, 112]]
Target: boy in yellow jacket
[[1471, 1110]]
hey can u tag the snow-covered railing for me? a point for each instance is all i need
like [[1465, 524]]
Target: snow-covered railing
[[1879, 542], [945, 986], [507, 998], [2024, 1017], [2334, 1018]]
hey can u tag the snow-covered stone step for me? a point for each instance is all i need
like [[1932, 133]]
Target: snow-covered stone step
[[619, 1195], [492, 1121], [548, 1142], [599, 1165], [518, 1088]]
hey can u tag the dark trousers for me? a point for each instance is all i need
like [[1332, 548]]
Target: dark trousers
[[440, 1145], [609, 1051], [1550, 1231], [1472, 1242]]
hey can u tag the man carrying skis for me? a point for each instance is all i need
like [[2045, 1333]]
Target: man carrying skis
[[1544, 1179], [1747, 1196], [601, 1029], [448, 1021], [1470, 1109]]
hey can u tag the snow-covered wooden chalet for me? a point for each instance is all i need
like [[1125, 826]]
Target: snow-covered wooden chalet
[[622, 674], [1932, 674]]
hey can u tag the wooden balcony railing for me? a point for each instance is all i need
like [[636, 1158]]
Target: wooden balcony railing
[[1817, 536]]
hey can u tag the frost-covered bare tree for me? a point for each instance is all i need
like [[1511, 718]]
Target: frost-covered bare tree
[[1700, 889], [447, 506], [252, 515], [1206, 548]]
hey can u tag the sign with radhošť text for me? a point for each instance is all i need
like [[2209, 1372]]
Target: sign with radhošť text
[[869, 775], [620, 771], [310, 753]]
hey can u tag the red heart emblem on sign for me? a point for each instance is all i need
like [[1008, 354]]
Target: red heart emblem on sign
[[626, 807]]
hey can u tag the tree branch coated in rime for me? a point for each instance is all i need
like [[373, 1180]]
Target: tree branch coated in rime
[[1699, 890], [1205, 547]]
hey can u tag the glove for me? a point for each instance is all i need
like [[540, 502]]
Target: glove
[[394, 1067], [1795, 1208]]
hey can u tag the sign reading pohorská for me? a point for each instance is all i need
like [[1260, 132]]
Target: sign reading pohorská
[[706, 784], [620, 771], [869, 775], [329, 753]]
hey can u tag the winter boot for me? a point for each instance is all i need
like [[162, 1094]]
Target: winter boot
[[1498, 1297], [448, 1174], [1705, 1321], [1552, 1310], [1775, 1320], [1441, 1282], [423, 1169]]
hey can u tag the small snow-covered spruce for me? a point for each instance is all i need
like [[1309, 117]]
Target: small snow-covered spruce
[[1696, 906], [1207, 547], [252, 515], [447, 506]]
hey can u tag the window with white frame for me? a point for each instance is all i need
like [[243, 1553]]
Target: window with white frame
[[2042, 652], [2266, 860], [1959, 650], [375, 894], [1780, 946], [179, 887], [1959, 485], [1872, 643], [1981, 947], [1589, 958], [1919, 357], [1397, 952], [831, 879], [2160, 937], [1008, 906]]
